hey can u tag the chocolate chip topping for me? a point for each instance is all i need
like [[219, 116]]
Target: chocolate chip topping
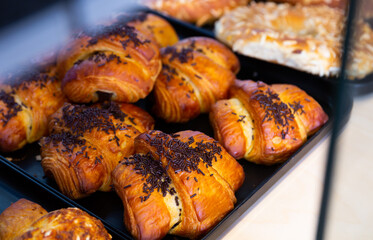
[[12, 107], [180, 156], [169, 72], [156, 176], [80, 119], [274, 108], [120, 29], [296, 106], [184, 55]]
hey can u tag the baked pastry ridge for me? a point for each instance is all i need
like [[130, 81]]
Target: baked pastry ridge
[[196, 72], [265, 124], [27, 101], [119, 60], [87, 142], [182, 184]]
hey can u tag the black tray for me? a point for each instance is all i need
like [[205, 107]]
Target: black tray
[[259, 179], [357, 87]]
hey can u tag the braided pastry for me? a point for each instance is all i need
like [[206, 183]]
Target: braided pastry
[[27, 220], [86, 143], [307, 38], [26, 107], [195, 11], [265, 124], [182, 184], [196, 72], [118, 60]]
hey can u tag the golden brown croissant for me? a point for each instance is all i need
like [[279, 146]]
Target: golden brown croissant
[[265, 124], [27, 220], [196, 73], [118, 60], [195, 11], [182, 184], [25, 108], [86, 144], [159, 29]]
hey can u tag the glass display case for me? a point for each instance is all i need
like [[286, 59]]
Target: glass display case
[[320, 190]]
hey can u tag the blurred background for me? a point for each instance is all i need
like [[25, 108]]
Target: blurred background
[[33, 28]]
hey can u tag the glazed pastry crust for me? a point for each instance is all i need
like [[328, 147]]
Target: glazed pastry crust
[[27, 220], [307, 38], [25, 108], [81, 162], [119, 60], [265, 124], [68, 223], [196, 73], [18, 217], [159, 29], [199, 12], [199, 200]]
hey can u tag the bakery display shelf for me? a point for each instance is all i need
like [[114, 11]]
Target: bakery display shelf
[[16, 183], [357, 87], [25, 167]]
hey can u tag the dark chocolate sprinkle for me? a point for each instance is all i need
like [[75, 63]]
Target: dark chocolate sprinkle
[[274, 108], [12, 107], [184, 55]]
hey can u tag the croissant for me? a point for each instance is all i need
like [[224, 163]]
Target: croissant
[[26, 107], [116, 62], [27, 220], [194, 11], [182, 184], [86, 144], [196, 72], [265, 124], [159, 29]]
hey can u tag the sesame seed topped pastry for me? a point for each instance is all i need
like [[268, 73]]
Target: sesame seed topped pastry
[[307, 38]]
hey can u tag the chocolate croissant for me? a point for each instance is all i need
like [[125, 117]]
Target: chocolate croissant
[[265, 124], [182, 184], [86, 144], [196, 72], [26, 107], [27, 220], [158, 28], [118, 61]]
